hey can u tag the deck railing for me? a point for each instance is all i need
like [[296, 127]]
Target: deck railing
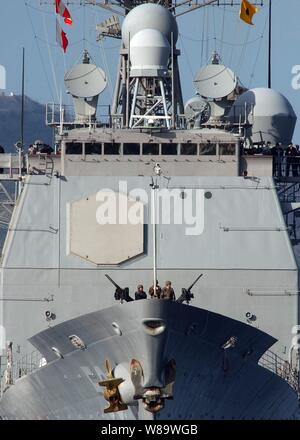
[[23, 366], [271, 361]]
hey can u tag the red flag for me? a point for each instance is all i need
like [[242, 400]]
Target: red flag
[[61, 37], [63, 11]]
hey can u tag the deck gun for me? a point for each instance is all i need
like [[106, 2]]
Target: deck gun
[[120, 294], [186, 294]]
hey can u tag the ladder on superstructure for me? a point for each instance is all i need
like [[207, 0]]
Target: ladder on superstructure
[[46, 165]]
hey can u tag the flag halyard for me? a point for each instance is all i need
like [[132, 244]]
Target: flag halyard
[[61, 37]]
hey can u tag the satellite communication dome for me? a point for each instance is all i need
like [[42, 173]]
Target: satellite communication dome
[[149, 53], [215, 81], [197, 108], [85, 80], [149, 16], [273, 117]]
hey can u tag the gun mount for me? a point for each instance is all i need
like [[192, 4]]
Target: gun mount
[[186, 294], [120, 294]]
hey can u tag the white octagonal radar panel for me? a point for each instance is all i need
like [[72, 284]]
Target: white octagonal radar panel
[[215, 81], [85, 80], [97, 233]]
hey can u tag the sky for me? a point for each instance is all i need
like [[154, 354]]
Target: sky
[[31, 24]]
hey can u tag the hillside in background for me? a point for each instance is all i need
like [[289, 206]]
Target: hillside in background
[[34, 122]]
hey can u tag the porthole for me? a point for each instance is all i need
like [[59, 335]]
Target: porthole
[[77, 342]]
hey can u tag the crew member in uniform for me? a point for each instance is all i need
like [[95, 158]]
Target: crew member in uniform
[[168, 292], [140, 294], [157, 291], [2, 151]]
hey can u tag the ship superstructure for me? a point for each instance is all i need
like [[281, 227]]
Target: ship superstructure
[[82, 221]]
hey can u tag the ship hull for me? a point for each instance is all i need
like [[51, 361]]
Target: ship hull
[[212, 382]]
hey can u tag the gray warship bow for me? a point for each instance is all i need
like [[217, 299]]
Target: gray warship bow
[[155, 190]]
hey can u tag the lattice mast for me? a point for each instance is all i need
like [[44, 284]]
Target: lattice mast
[[148, 90]]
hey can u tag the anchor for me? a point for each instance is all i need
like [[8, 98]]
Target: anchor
[[153, 397], [111, 392]]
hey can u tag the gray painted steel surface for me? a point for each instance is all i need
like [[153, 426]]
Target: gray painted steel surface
[[239, 241], [208, 381]]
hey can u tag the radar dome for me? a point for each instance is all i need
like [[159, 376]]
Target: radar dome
[[85, 80], [215, 81], [273, 117], [149, 16], [149, 53], [197, 109]]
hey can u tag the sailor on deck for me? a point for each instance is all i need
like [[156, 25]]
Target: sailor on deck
[[140, 294], [157, 292], [2, 151], [168, 292]]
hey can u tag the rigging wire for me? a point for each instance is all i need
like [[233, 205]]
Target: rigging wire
[[218, 39], [84, 26], [214, 28], [243, 51], [104, 60], [96, 18], [39, 50], [207, 32], [77, 43], [106, 47], [222, 33], [187, 58], [203, 33], [258, 53], [50, 57], [106, 67], [234, 36], [44, 11]]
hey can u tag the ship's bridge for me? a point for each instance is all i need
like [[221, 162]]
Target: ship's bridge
[[205, 152]]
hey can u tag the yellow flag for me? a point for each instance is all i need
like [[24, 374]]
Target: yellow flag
[[247, 11]]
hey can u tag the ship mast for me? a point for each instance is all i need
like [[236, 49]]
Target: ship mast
[[270, 47], [23, 98], [154, 187]]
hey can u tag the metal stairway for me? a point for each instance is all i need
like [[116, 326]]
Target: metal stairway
[[46, 164]]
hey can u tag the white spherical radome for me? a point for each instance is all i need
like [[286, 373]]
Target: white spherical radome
[[149, 48], [272, 116], [267, 102], [149, 16]]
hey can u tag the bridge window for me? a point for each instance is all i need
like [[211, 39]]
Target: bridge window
[[226, 149], [152, 149], [94, 148], [208, 149], [112, 148], [169, 149], [189, 149], [131, 149], [74, 148]]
